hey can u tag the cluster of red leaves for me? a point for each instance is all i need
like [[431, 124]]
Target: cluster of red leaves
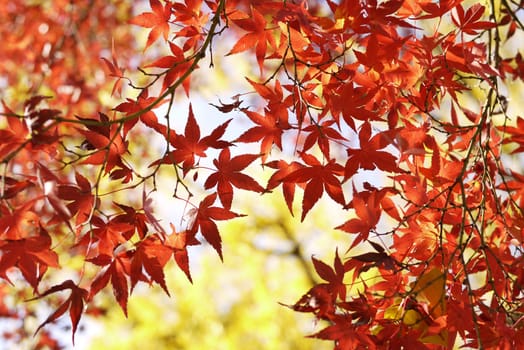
[[349, 90]]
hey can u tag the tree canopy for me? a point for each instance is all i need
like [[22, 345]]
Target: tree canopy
[[404, 114]]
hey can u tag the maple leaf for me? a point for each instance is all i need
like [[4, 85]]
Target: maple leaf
[[319, 178], [158, 21], [176, 64], [362, 309], [414, 187], [75, 304], [345, 335], [283, 170], [258, 35], [117, 272], [273, 97], [189, 146], [135, 218], [368, 155], [321, 134], [319, 300], [14, 135], [351, 103], [368, 213], [228, 107], [228, 175], [413, 140], [204, 219], [11, 187], [337, 65], [178, 241], [82, 200], [365, 261], [31, 255], [114, 70], [150, 256], [438, 10], [105, 237], [107, 144], [335, 276], [18, 223], [468, 21], [141, 107], [516, 134], [270, 130]]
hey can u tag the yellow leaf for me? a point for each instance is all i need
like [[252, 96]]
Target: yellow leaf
[[411, 318], [430, 287]]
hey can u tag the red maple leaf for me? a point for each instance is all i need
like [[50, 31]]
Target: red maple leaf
[[204, 219], [82, 200], [11, 187], [18, 223], [105, 237], [269, 129], [189, 146], [335, 277], [107, 146], [117, 272], [258, 35], [283, 170], [345, 334], [228, 175], [178, 241], [321, 134], [319, 177], [114, 71], [75, 304], [142, 110], [516, 134], [31, 255], [13, 135], [150, 256], [368, 155], [368, 213], [468, 21], [176, 64], [158, 21]]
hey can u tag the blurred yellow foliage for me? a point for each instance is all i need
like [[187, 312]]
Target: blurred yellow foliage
[[235, 304]]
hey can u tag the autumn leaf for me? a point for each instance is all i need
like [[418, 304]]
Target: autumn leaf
[[80, 197], [117, 271], [31, 255], [158, 21], [178, 242], [258, 35], [204, 220], [368, 155], [115, 71], [319, 178], [75, 304], [335, 277], [321, 134], [189, 147], [269, 132], [140, 108], [176, 64], [11, 187], [368, 214], [150, 256], [19, 222], [414, 102], [468, 21], [288, 188], [229, 174]]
